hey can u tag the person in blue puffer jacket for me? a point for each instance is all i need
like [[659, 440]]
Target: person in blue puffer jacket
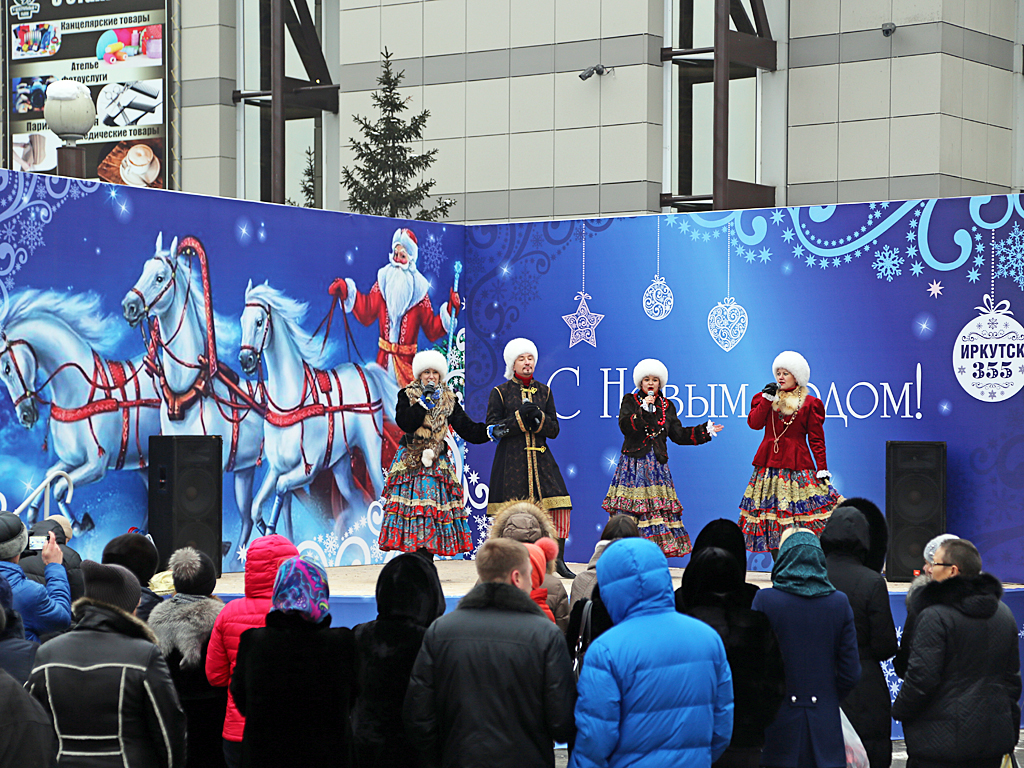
[[656, 689]]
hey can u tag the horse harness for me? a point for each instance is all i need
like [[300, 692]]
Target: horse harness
[[315, 382], [117, 381]]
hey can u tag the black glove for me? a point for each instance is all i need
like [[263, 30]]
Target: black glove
[[532, 416], [497, 431], [771, 388]]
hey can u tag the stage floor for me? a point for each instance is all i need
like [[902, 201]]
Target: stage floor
[[457, 578]]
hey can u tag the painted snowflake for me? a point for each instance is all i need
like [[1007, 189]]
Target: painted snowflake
[[524, 287], [536, 239], [331, 544], [76, 192], [1009, 255], [9, 232], [432, 252], [31, 234], [887, 263], [9, 282]]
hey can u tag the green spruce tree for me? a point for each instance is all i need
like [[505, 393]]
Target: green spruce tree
[[382, 181]]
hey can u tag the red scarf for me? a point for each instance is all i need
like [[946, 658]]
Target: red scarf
[[525, 382], [540, 597]]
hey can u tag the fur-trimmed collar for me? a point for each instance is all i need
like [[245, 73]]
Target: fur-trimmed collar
[[788, 403], [975, 596], [500, 596], [104, 617], [185, 626]]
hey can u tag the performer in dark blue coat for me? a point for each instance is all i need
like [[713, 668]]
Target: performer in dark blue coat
[[814, 624]]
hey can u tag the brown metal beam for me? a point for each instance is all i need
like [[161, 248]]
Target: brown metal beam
[[277, 101], [720, 150], [751, 50]]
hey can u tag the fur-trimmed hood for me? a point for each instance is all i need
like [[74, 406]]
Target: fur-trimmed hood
[[525, 522], [499, 596], [87, 613], [185, 626], [974, 596]]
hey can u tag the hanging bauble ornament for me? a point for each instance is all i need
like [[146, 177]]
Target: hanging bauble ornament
[[986, 354], [658, 299], [727, 322]]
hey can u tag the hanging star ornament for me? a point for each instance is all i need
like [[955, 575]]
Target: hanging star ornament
[[582, 323]]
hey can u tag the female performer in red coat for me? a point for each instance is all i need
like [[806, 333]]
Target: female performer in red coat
[[785, 489]]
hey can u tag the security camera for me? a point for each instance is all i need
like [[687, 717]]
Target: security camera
[[888, 29], [589, 72]]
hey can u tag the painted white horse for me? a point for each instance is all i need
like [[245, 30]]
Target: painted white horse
[[170, 291], [102, 413], [315, 418]]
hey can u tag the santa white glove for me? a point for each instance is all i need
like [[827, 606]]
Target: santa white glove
[[824, 474]]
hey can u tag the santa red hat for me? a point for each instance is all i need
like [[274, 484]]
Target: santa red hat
[[514, 349], [427, 360], [796, 364], [407, 239]]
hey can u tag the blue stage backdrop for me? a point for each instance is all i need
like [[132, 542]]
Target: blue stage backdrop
[[905, 311]]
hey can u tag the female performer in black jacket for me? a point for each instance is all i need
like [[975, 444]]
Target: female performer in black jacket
[[642, 486]]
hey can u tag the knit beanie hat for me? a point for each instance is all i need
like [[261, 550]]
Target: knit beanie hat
[[301, 586], [193, 571], [13, 536], [111, 584], [135, 552], [64, 524], [541, 553]]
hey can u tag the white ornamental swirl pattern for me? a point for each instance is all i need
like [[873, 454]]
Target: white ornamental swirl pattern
[[727, 322]]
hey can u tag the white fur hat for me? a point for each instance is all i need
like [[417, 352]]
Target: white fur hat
[[407, 239], [650, 367], [429, 360], [514, 349], [796, 364]]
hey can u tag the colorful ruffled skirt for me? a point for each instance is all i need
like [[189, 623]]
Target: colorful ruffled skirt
[[423, 509], [777, 499], [643, 489]]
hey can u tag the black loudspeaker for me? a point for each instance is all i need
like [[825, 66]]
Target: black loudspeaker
[[915, 503], [185, 495]]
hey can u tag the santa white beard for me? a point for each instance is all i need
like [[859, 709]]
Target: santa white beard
[[402, 287]]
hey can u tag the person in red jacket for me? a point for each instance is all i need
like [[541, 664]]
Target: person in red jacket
[[785, 489], [263, 558]]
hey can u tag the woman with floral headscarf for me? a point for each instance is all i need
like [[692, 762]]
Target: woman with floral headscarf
[[818, 639], [294, 679]]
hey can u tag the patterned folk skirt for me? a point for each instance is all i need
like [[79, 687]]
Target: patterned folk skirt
[[777, 499], [643, 489], [423, 508]]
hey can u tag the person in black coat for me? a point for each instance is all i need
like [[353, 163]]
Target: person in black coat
[[724, 534], [814, 624], [183, 625], [713, 591], [959, 701], [17, 655], [294, 679], [31, 561], [492, 684], [139, 555], [105, 682], [409, 598], [847, 542], [27, 739]]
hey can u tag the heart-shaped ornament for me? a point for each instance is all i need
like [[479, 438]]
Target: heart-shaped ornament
[[727, 322]]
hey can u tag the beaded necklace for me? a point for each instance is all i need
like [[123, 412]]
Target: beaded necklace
[[659, 401], [786, 424]]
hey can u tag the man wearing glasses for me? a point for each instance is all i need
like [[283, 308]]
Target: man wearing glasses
[[958, 703]]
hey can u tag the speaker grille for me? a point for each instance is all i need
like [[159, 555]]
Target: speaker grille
[[915, 501], [185, 494]]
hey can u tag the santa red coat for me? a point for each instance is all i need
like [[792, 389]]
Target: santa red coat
[[806, 427], [397, 355]]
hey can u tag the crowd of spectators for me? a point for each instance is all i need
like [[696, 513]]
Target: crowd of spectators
[[97, 669]]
